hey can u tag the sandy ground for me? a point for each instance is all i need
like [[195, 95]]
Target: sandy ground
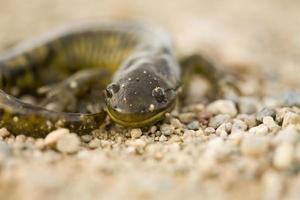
[[229, 149]]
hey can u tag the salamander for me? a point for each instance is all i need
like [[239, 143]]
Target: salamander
[[129, 70]]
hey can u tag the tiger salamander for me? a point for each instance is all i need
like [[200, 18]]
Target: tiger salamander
[[133, 63]]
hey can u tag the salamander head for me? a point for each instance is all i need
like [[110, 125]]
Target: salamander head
[[140, 99]]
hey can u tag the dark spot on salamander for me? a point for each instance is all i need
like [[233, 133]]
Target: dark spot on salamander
[[159, 94], [112, 89]]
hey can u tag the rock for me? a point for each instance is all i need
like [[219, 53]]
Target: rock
[[250, 120], [259, 130], [176, 123], [209, 130], [86, 138], [291, 118], [4, 132], [238, 126], [193, 125], [247, 105], [287, 135], [283, 156], [167, 129], [52, 138], [217, 120], [187, 117], [270, 123], [136, 133], [226, 127], [254, 146], [68, 143], [291, 98], [264, 113], [222, 107], [95, 143], [163, 138]]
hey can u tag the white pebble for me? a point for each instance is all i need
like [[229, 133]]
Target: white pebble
[[283, 156], [222, 107], [259, 130], [254, 145], [68, 143], [136, 133], [52, 138], [290, 118]]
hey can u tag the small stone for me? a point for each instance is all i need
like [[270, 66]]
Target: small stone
[[236, 137], [138, 143], [271, 124], [287, 135], [238, 126], [167, 129], [86, 138], [250, 120], [52, 138], [4, 132], [193, 125], [136, 133], [209, 130], [222, 107], [217, 120], [187, 117], [254, 146], [95, 143], [283, 156], [174, 138], [176, 123], [291, 98], [290, 118], [68, 143], [226, 127], [153, 129], [264, 113], [259, 130], [281, 113], [163, 138], [247, 105], [5, 151]]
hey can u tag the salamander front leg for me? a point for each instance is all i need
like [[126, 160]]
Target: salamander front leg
[[221, 82], [68, 94]]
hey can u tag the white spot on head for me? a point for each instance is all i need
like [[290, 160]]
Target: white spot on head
[[15, 119], [73, 84], [145, 72], [129, 79], [151, 107], [130, 105]]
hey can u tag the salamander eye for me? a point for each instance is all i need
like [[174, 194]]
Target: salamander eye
[[111, 89], [159, 94]]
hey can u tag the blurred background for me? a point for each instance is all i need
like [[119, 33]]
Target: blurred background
[[259, 37]]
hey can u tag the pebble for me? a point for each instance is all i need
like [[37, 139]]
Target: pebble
[[95, 143], [250, 120], [5, 151], [167, 129], [264, 113], [176, 123], [86, 138], [247, 105], [209, 130], [136, 133], [187, 117], [193, 125], [287, 135], [163, 138], [291, 118], [270, 123], [254, 146], [68, 143], [259, 130], [238, 126], [283, 156], [4, 132], [225, 127], [52, 138], [217, 120], [222, 107], [291, 98]]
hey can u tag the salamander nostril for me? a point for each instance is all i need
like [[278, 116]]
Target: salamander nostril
[[111, 89], [159, 94]]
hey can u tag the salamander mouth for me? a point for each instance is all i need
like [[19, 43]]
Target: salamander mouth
[[135, 120]]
